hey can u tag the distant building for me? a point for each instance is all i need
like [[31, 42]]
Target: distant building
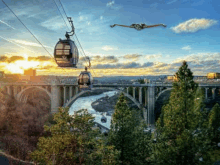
[[172, 78], [213, 75], [146, 80], [25, 78], [30, 72]]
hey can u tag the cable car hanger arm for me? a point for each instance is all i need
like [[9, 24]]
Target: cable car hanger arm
[[73, 29]]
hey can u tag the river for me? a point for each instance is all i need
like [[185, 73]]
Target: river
[[85, 103]]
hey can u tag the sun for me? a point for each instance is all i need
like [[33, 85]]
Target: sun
[[20, 65]]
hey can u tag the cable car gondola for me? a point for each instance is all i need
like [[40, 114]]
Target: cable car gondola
[[103, 119], [66, 53], [85, 80]]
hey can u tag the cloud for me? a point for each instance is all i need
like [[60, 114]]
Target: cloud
[[112, 5], [9, 40], [199, 57], [159, 64], [55, 23], [200, 62], [107, 48], [153, 56], [15, 58], [30, 43], [40, 58], [147, 64], [3, 58], [101, 17], [104, 59], [134, 57], [7, 24], [118, 65], [186, 48], [172, 1], [7, 59], [194, 25], [83, 18]]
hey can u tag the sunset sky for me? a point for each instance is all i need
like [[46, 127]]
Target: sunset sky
[[192, 34]]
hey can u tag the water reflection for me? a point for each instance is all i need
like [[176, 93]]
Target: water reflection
[[85, 103]]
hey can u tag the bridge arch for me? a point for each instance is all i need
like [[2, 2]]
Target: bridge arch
[[162, 93], [73, 99], [22, 93]]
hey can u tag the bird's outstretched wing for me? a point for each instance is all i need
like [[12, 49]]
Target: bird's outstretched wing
[[149, 26], [118, 25]]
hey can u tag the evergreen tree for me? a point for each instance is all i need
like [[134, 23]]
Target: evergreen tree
[[181, 137], [73, 141], [214, 128], [127, 134]]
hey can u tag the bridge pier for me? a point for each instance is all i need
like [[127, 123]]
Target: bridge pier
[[76, 90], [140, 95], [15, 91], [134, 92], [151, 104], [213, 93], [206, 93], [64, 95], [145, 91], [8, 90], [127, 90], [55, 100], [70, 92]]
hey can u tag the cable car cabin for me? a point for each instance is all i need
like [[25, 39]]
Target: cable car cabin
[[66, 53], [85, 80], [103, 119]]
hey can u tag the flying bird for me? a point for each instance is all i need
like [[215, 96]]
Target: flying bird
[[139, 26]]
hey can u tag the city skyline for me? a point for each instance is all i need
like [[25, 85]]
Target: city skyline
[[191, 35]]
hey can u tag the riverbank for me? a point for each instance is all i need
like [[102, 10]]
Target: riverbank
[[107, 104], [94, 92]]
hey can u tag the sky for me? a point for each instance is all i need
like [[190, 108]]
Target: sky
[[192, 34]]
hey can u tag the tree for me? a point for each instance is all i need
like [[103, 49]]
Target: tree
[[73, 141], [127, 134], [214, 128], [181, 134]]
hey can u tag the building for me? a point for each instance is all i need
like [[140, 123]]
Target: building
[[171, 78], [30, 72], [25, 78], [213, 75], [146, 80]]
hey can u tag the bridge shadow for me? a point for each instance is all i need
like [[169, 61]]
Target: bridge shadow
[[162, 100]]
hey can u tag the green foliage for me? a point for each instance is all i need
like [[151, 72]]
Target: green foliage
[[214, 124], [73, 141], [182, 134], [141, 81], [127, 134]]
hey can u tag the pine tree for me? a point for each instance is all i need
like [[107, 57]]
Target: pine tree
[[181, 128], [73, 141], [214, 128], [127, 134]]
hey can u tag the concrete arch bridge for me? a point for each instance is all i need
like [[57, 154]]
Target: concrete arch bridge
[[65, 94]]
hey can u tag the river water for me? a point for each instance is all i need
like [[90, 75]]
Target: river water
[[85, 103]]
